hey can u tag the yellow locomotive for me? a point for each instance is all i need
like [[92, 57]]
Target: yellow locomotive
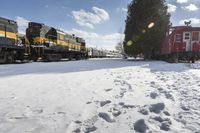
[[40, 42], [10, 48], [49, 43]]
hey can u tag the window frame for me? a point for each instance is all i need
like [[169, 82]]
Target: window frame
[[178, 39], [197, 36], [188, 35]]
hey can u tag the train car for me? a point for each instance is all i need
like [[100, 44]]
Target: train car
[[102, 53], [95, 53], [181, 43], [11, 48], [50, 44]]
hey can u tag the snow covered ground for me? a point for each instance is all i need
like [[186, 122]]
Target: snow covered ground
[[100, 96]]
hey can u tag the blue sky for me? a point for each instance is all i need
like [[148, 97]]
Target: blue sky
[[100, 22]]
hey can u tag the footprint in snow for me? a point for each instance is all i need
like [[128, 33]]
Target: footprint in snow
[[115, 111], [38, 111], [157, 108], [106, 117], [61, 113], [31, 111], [168, 95], [78, 130], [103, 103], [160, 119], [185, 108], [165, 126], [107, 90], [153, 83], [165, 123], [153, 95], [74, 127], [88, 102], [90, 129], [86, 126], [18, 118], [144, 110], [140, 126], [78, 122], [166, 113]]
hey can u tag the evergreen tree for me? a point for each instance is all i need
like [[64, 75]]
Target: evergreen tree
[[146, 26]]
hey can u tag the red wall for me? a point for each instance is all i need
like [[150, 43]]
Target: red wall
[[170, 46]]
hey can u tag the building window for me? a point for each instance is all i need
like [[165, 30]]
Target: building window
[[178, 37], [187, 36], [195, 36]]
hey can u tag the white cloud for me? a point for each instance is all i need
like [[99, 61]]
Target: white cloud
[[108, 41], [181, 1], [89, 19], [171, 8], [194, 21], [124, 10], [22, 24], [191, 7]]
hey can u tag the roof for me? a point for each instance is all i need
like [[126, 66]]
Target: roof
[[5, 20], [185, 28]]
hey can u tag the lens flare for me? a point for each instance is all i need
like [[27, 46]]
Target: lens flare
[[143, 31], [129, 43], [151, 25]]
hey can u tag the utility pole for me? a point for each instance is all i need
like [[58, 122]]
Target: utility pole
[[188, 24]]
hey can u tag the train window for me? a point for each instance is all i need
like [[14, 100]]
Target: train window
[[12, 22], [61, 37], [178, 37], [195, 36], [9, 29], [2, 27], [187, 36]]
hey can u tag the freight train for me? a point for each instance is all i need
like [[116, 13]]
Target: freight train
[[40, 42], [181, 43]]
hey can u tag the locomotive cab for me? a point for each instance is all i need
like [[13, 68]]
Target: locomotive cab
[[10, 50]]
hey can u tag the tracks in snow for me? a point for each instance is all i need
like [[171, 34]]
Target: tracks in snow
[[183, 88]]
